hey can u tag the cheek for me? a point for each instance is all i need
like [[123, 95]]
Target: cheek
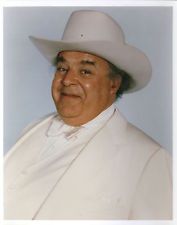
[[101, 92], [97, 87], [88, 86], [93, 91], [90, 89], [56, 85]]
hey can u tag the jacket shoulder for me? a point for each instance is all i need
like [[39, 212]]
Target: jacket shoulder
[[42, 119], [123, 131], [32, 127], [137, 137], [130, 141]]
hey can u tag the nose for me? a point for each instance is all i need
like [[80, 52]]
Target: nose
[[69, 78]]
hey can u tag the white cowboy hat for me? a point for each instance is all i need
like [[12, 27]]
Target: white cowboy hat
[[97, 33]]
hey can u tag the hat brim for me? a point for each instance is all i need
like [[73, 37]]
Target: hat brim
[[124, 56]]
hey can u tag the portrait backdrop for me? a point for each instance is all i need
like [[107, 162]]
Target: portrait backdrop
[[28, 76]]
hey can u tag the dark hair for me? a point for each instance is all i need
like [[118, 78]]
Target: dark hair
[[126, 80]]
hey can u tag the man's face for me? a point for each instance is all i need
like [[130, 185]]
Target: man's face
[[82, 88]]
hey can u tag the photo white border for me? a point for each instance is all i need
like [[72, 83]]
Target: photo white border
[[11, 3], [31, 3]]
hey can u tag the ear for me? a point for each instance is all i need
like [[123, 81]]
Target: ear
[[115, 84]]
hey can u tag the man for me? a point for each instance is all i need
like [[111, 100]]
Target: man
[[87, 161]]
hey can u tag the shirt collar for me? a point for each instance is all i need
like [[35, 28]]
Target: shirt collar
[[101, 118], [58, 126]]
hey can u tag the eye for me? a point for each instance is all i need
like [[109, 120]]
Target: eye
[[62, 70], [85, 72]]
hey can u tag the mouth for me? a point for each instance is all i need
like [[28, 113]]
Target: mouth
[[69, 95]]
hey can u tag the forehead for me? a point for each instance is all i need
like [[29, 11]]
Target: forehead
[[80, 57]]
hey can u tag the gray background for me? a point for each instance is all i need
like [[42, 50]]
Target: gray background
[[28, 76]]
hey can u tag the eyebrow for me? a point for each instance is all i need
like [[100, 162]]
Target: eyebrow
[[88, 62], [83, 62]]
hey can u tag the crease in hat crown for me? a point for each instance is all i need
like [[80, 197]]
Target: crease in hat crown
[[97, 33], [89, 25]]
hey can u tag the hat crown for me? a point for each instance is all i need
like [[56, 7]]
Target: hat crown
[[91, 26]]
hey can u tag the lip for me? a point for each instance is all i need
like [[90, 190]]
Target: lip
[[67, 95]]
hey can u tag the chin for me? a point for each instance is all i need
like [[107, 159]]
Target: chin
[[68, 113]]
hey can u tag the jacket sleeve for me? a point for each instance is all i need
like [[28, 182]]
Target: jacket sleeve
[[153, 197]]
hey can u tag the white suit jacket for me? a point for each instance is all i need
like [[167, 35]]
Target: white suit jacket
[[120, 174]]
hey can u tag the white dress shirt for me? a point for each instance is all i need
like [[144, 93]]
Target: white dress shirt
[[61, 136]]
